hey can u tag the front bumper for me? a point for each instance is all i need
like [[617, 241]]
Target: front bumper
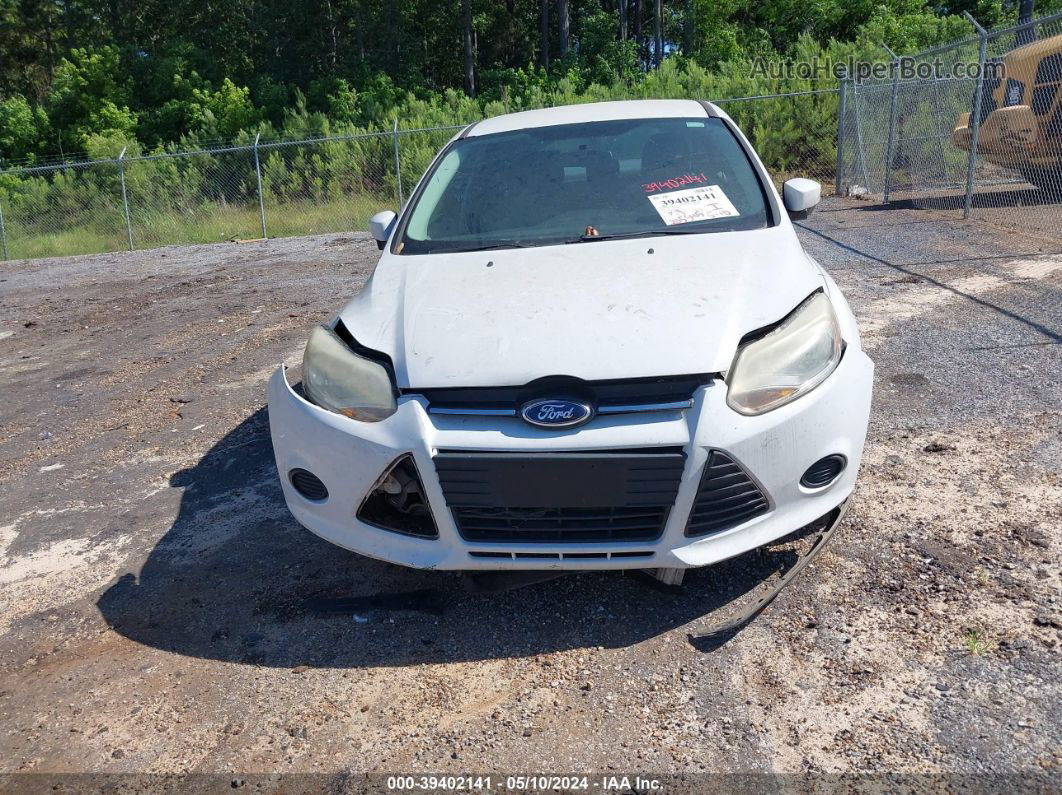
[[775, 449]]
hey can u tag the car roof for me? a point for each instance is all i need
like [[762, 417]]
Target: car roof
[[592, 111]]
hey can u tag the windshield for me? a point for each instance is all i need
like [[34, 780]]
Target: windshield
[[585, 182]]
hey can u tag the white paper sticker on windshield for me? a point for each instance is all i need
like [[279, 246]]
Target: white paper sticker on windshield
[[694, 204]]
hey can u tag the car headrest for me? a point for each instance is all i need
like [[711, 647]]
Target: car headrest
[[598, 164]]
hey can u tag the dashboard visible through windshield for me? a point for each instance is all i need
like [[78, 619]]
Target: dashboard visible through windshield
[[584, 182]]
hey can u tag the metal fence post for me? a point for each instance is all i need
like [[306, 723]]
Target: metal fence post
[[398, 167], [942, 133], [892, 124], [975, 113], [3, 233], [842, 90], [258, 173], [125, 198], [859, 135]]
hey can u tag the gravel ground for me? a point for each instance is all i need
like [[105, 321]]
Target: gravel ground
[[160, 612], [998, 205]]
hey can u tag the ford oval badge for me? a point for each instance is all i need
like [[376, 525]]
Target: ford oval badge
[[556, 413]]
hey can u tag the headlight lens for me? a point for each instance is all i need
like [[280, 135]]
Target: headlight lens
[[337, 379], [789, 361]]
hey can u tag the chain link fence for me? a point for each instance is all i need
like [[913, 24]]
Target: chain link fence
[[972, 128], [267, 189], [289, 188], [795, 134]]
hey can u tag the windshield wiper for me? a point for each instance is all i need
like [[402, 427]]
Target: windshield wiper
[[645, 233], [489, 247]]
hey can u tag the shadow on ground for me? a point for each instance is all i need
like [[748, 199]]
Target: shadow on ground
[[1040, 324], [1019, 196], [236, 579]]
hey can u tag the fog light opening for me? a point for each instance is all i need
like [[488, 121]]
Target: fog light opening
[[397, 502], [308, 485], [823, 472]]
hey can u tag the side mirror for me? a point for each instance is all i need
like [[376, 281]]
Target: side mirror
[[380, 226], [800, 196]]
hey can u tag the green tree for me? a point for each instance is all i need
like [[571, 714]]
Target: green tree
[[168, 71], [23, 128], [602, 56], [90, 94]]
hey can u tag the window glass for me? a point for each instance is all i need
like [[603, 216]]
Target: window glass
[[557, 184], [1048, 76]]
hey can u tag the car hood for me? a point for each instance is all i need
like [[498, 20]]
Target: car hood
[[598, 310]]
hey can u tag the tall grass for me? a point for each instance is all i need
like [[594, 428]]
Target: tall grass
[[336, 185], [229, 223]]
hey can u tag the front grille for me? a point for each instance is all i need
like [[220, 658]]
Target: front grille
[[567, 497], [605, 396], [726, 497]]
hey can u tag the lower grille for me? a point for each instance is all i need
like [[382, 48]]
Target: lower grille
[[561, 524], [636, 553], [561, 497], [726, 497]]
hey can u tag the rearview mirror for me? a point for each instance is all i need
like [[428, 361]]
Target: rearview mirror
[[800, 196], [380, 226]]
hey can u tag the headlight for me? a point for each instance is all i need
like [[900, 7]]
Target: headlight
[[787, 362], [337, 379]]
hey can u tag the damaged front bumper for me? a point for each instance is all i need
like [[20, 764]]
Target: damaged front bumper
[[820, 536], [774, 450]]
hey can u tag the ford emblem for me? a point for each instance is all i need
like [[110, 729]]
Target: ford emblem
[[556, 413]]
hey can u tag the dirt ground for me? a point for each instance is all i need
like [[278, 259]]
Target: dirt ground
[[160, 611]]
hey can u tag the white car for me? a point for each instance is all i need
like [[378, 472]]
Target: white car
[[592, 341]]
